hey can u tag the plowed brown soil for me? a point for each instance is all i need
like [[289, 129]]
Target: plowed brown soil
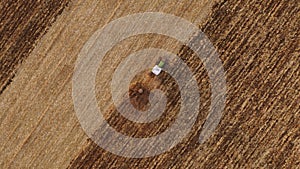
[[258, 42]]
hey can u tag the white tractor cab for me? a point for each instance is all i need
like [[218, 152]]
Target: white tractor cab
[[158, 68]]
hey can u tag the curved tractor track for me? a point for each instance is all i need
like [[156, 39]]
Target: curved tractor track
[[258, 43]]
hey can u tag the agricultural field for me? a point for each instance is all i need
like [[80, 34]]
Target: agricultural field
[[42, 42]]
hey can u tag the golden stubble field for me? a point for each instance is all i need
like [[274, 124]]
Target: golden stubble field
[[258, 42]]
